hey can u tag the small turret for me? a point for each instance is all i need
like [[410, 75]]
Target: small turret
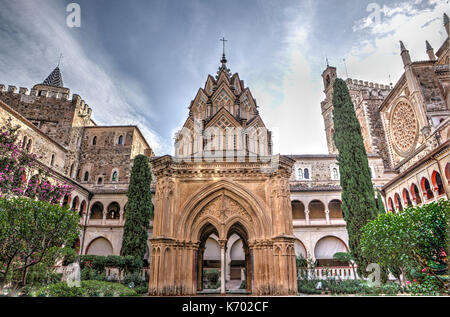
[[405, 54], [430, 51]]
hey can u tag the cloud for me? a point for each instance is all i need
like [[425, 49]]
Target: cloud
[[376, 56], [34, 33]]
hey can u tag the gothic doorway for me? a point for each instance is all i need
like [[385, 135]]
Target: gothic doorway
[[223, 266]]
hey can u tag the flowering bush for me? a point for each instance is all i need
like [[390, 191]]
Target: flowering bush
[[16, 163]]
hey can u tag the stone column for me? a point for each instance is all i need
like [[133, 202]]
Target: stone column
[[200, 269], [223, 265], [327, 216]]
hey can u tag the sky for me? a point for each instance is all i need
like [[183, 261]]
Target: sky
[[141, 62]]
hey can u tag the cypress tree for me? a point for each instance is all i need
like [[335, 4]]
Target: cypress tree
[[358, 201], [139, 209], [381, 209]]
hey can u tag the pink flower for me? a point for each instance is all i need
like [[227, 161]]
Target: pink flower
[[408, 282], [414, 281], [424, 270]]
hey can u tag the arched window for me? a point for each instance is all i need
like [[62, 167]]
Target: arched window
[[298, 210], [71, 170], [94, 140], [114, 176], [335, 173], [398, 202], [66, 200], [427, 192], [100, 246], [415, 194], [52, 160], [335, 209], [24, 143], [100, 181], [97, 211], [326, 248], [306, 173], [300, 173], [82, 208], [75, 203], [390, 205], [86, 176], [406, 198], [437, 183], [316, 210], [120, 142], [113, 211], [28, 149]]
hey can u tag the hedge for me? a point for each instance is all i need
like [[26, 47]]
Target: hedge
[[99, 263]]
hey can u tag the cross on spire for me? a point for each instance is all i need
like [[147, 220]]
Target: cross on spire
[[60, 59], [223, 42], [223, 60]]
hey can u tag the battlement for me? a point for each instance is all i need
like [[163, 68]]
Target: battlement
[[359, 83], [46, 92]]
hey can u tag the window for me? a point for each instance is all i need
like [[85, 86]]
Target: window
[[300, 173], [306, 173], [71, 170], [52, 160], [120, 142], [28, 148], [86, 176], [100, 181], [114, 176], [335, 173], [94, 140]]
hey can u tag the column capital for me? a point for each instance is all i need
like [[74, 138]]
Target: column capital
[[223, 244]]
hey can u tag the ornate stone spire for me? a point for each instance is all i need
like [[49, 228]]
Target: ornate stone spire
[[430, 51], [54, 79], [223, 61], [405, 54]]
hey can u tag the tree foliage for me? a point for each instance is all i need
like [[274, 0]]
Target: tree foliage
[[413, 239], [139, 209], [358, 201], [30, 230]]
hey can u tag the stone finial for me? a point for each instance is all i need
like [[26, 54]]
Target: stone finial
[[405, 54], [430, 51], [2, 88], [12, 89]]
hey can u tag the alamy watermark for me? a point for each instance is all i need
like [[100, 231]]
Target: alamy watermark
[[73, 19]]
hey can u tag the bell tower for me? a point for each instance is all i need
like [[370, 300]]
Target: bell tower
[[329, 76]]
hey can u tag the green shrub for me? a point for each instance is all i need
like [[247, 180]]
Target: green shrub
[[212, 277], [87, 288]]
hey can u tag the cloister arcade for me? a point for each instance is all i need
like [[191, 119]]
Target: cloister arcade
[[426, 187]]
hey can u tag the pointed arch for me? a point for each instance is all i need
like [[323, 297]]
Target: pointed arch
[[253, 207]]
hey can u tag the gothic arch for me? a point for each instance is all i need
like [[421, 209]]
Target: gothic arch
[[100, 246], [191, 220]]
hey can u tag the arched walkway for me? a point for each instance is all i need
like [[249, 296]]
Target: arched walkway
[[326, 248], [100, 246]]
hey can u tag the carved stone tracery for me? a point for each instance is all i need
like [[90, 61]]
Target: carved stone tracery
[[404, 128]]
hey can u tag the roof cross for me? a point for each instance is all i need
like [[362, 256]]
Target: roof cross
[[223, 43]]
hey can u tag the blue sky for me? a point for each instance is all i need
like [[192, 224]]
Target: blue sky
[[142, 62]]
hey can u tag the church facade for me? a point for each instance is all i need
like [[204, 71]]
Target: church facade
[[224, 201]]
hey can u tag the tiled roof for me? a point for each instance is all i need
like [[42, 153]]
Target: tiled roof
[[54, 79]]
